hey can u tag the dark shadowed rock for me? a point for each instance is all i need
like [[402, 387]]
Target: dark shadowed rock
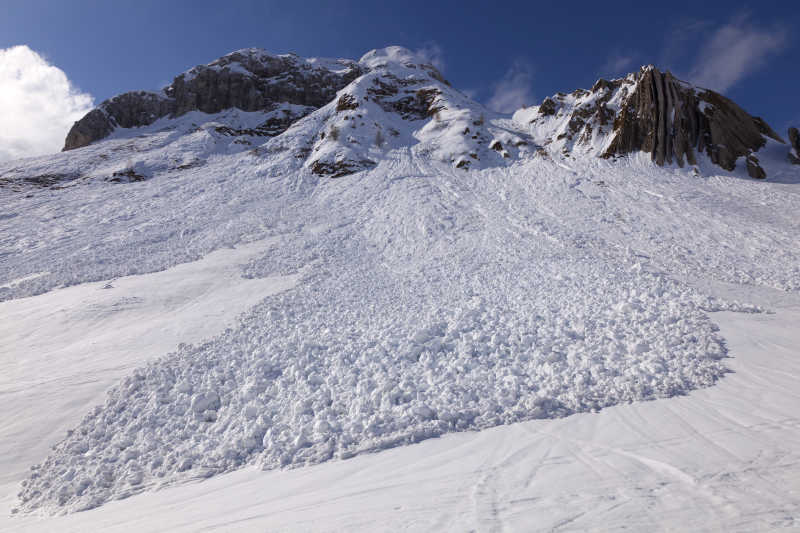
[[95, 125], [794, 141], [673, 121], [250, 80], [409, 98], [340, 168], [754, 169], [127, 110], [548, 107]]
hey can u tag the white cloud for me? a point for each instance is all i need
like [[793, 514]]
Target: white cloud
[[432, 54], [682, 39], [514, 91], [735, 51], [38, 104], [617, 64]]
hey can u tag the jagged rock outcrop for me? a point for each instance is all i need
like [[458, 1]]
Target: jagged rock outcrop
[[250, 80], [400, 102], [127, 110], [794, 141], [654, 112], [671, 120], [95, 125]]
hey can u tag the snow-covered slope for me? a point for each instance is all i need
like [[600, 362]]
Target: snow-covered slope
[[461, 276]]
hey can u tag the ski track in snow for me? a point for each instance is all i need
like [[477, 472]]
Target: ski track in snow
[[429, 300]]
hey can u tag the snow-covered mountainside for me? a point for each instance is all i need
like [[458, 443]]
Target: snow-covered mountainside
[[472, 269], [395, 101]]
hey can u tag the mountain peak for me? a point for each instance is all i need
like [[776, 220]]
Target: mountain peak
[[379, 57], [650, 111]]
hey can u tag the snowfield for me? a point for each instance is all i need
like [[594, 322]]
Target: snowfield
[[245, 314]]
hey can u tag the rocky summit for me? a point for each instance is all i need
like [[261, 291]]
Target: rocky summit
[[250, 80], [654, 112], [391, 99]]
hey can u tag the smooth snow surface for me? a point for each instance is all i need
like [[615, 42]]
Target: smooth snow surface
[[721, 459]]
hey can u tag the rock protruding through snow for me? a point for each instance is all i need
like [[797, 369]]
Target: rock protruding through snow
[[647, 111], [653, 112], [249, 80], [794, 141]]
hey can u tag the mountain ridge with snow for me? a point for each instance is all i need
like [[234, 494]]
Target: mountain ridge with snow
[[648, 110]]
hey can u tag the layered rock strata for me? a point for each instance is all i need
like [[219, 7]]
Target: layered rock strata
[[250, 80]]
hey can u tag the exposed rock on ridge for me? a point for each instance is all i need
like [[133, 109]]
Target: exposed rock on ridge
[[654, 112], [401, 102], [794, 140], [356, 105], [671, 119], [250, 80]]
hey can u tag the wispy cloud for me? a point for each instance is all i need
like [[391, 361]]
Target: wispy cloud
[[684, 36], [432, 54], [618, 63], [38, 104], [735, 51], [514, 90]]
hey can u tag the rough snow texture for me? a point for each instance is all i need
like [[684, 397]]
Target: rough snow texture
[[433, 297]]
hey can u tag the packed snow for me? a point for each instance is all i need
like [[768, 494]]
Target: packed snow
[[420, 297]]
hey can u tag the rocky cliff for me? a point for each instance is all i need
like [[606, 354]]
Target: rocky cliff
[[654, 112], [250, 80]]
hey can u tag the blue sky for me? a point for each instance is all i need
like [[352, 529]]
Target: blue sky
[[503, 54]]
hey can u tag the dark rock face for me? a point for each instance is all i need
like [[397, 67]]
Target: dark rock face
[[95, 125], [268, 80], [126, 111], [794, 140], [754, 169], [654, 112], [548, 107], [250, 80], [410, 98], [138, 108], [672, 121], [340, 168]]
